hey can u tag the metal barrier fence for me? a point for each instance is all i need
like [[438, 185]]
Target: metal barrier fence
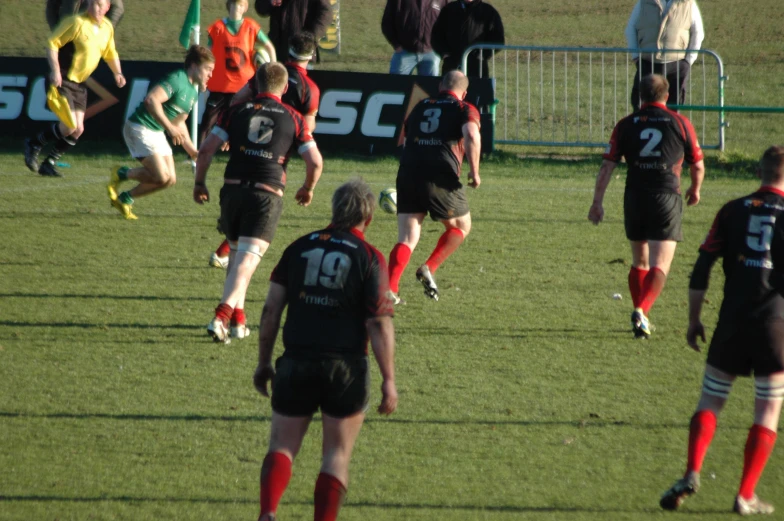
[[574, 96]]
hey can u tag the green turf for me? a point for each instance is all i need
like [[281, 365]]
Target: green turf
[[522, 395]]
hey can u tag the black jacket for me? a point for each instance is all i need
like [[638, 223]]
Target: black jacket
[[56, 10], [292, 17], [461, 25], [408, 23]]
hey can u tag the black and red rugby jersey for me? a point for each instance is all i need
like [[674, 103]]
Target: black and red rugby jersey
[[335, 281], [434, 134], [655, 142]]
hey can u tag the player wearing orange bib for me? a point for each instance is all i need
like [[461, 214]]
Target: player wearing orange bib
[[236, 43]]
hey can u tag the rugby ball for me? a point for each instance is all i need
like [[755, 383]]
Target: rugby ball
[[387, 200]]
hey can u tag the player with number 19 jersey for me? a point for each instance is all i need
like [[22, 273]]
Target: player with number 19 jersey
[[655, 142], [335, 281]]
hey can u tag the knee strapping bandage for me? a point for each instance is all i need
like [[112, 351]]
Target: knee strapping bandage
[[768, 390], [246, 247], [716, 386]]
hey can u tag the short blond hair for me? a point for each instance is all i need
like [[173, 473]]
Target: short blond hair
[[272, 77]]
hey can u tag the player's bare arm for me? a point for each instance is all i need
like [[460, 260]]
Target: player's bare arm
[[698, 286], [314, 164], [596, 212], [52, 57], [268, 333], [473, 149], [208, 149], [382, 339], [119, 78], [187, 144], [154, 104], [697, 174]]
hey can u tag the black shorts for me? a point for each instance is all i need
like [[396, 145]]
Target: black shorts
[[75, 93], [443, 198], [740, 348], [340, 387], [651, 216], [249, 212]]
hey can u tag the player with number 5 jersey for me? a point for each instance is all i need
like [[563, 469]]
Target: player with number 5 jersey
[[656, 142]]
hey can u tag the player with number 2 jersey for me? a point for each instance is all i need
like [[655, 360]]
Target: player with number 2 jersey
[[655, 142]]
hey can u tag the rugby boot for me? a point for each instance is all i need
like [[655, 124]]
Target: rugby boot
[[239, 331], [31, 151], [218, 331], [396, 300], [219, 262], [682, 489], [47, 169], [125, 209], [640, 325], [749, 507], [424, 276], [114, 183]]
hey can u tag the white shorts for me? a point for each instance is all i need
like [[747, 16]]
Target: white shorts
[[143, 142]]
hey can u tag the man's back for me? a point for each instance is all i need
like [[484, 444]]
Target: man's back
[[741, 234], [262, 133], [434, 134], [335, 281], [655, 142]]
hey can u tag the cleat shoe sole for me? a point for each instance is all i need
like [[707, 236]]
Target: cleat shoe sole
[[424, 276], [124, 209], [218, 331], [680, 490]]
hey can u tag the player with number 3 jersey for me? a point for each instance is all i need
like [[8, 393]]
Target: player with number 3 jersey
[[656, 142]]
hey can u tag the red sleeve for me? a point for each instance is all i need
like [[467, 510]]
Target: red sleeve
[[714, 242], [693, 152], [471, 115], [302, 131], [613, 151]]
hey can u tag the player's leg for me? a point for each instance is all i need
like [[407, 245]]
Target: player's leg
[[661, 255], [286, 435], [409, 229], [639, 270], [68, 139], [455, 231], [769, 393], [340, 434], [716, 386]]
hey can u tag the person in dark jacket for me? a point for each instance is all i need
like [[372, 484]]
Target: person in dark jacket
[[289, 17], [462, 24], [407, 25], [56, 10]]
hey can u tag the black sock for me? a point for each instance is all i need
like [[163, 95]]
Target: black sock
[[50, 134], [62, 146]]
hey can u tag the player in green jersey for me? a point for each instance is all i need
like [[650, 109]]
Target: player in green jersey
[[162, 112]]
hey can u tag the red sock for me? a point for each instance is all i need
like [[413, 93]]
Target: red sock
[[447, 244], [398, 260], [223, 250], [224, 312], [759, 445], [651, 288], [701, 429], [275, 476], [328, 497], [636, 278], [238, 317]]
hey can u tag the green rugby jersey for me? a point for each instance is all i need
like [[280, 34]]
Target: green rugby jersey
[[182, 95]]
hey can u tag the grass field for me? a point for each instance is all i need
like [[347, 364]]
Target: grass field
[[522, 395]]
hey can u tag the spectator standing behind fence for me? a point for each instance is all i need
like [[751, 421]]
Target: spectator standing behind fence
[[407, 25], [289, 17], [462, 24], [56, 10], [665, 24]]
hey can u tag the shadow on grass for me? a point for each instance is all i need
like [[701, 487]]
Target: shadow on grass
[[359, 504]]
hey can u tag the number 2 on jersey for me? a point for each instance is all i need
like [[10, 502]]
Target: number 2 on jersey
[[330, 270]]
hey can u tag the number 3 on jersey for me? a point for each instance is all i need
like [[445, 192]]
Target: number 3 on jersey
[[330, 270], [431, 124], [653, 137]]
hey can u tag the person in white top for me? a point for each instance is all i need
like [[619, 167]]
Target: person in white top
[[663, 32]]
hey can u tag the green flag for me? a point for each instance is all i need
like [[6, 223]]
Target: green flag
[[191, 21]]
